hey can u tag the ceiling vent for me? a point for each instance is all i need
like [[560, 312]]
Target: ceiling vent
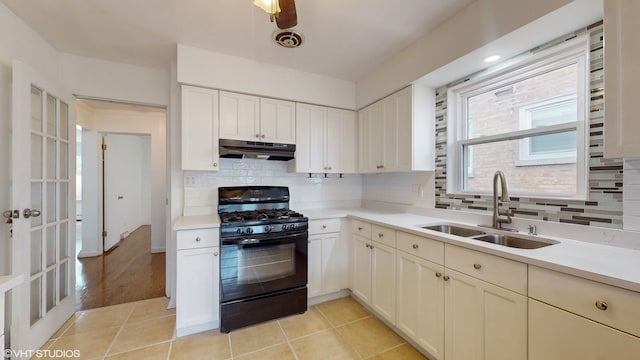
[[288, 38]]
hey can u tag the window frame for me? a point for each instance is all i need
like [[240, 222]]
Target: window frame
[[526, 158], [572, 51]]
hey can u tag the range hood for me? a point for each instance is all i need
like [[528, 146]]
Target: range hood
[[240, 149]]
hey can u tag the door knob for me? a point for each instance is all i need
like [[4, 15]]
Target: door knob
[[11, 214], [27, 213]]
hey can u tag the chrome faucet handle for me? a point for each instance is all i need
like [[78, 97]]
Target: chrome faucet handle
[[533, 230]]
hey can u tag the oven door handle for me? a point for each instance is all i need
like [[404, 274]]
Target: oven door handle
[[249, 241], [257, 240]]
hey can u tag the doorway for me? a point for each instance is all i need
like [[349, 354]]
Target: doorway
[[121, 237]]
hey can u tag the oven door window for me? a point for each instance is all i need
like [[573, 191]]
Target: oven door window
[[249, 268], [262, 264]]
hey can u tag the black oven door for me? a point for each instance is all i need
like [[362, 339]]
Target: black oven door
[[257, 265]]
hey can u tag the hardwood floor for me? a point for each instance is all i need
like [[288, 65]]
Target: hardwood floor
[[128, 273]]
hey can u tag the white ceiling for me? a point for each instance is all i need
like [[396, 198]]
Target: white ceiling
[[343, 38]]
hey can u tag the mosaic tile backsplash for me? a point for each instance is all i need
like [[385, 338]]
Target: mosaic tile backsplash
[[605, 199]]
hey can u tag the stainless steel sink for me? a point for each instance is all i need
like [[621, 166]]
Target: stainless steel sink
[[454, 230], [513, 241]]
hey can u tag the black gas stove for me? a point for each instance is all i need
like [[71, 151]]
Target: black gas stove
[[257, 222], [263, 264]]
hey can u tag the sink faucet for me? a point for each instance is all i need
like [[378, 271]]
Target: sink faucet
[[498, 218]]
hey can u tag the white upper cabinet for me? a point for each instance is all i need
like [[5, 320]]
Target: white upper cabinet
[[199, 129], [251, 118], [239, 116], [277, 121], [326, 140], [622, 56], [397, 133]]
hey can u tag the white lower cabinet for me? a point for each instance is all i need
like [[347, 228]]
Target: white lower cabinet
[[576, 318], [483, 321], [327, 260], [555, 334], [198, 281], [420, 301], [373, 266]]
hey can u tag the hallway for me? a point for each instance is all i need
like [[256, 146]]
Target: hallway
[[128, 273]]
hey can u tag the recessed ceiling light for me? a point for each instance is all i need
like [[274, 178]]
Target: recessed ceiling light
[[492, 58]]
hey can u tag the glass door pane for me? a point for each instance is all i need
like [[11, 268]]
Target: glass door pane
[[36, 109]]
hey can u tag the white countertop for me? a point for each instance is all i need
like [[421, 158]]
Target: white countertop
[[8, 282], [611, 265]]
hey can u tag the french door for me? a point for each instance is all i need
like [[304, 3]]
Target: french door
[[43, 192]]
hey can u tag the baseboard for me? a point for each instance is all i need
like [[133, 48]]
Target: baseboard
[[158, 250], [328, 297], [188, 330], [88, 254]]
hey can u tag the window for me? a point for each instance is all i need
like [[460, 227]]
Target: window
[[526, 119]]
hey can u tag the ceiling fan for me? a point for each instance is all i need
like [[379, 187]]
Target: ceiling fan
[[283, 11]]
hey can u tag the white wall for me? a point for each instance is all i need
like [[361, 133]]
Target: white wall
[[103, 79], [201, 188], [480, 23], [407, 189], [220, 71], [631, 195]]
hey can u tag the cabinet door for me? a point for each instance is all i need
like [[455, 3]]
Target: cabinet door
[[420, 302], [361, 268], [622, 54], [239, 117], [277, 121], [371, 138], [197, 289], [341, 141], [310, 135], [389, 125], [383, 272], [404, 126], [334, 263], [315, 254], [555, 334], [483, 321], [199, 129]]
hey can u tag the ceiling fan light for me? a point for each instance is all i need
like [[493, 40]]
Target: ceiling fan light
[[271, 7]]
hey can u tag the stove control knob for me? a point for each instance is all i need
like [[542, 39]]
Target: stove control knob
[[284, 226], [267, 228], [249, 231], [292, 226], [239, 231]]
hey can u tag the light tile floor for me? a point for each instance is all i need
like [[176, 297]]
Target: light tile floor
[[339, 329]]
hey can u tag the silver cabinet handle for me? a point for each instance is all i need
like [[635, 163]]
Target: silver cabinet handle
[[446, 278], [324, 226], [257, 135], [215, 164], [215, 253], [477, 266], [438, 274], [359, 228], [415, 246], [262, 136], [380, 235], [198, 239], [602, 305], [27, 213]]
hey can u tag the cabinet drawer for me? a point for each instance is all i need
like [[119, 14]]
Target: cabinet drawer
[[361, 228], [490, 268], [424, 248], [383, 235], [324, 226], [587, 298], [191, 239]]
